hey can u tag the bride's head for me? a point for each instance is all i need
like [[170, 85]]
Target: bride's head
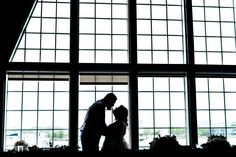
[[121, 113]]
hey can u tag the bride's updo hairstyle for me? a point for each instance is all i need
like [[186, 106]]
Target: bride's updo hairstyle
[[121, 113]]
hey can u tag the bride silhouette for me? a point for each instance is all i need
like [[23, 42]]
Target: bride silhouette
[[114, 139]]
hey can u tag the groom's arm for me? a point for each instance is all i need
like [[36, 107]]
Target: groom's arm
[[100, 120]]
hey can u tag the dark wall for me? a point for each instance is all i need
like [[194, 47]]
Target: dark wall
[[14, 13]]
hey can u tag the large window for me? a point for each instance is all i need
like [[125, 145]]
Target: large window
[[160, 32], [214, 31], [46, 37], [162, 108], [95, 87], [103, 31], [37, 110], [170, 62], [216, 108]]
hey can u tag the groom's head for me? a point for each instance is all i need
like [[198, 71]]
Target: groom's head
[[109, 100]]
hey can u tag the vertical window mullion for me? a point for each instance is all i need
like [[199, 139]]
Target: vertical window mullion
[[2, 106], [209, 106], [167, 35], [169, 110], [192, 127], [111, 32], [37, 125], [221, 42], [225, 109], [21, 109], [151, 23], [40, 44], [74, 78], [95, 32], [133, 78]]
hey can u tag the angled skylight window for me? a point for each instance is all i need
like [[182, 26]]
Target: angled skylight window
[[102, 38], [45, 37]]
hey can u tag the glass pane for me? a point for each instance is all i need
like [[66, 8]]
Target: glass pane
[[162, 119], [161, 84], [230, 118], [145, 137], [14, 85], [30, 100], [216, 100], [120, 42], [177, 100], [119, 11], [30, 136], [103, 26], [30, 85], [48, 25], [61, 101], [14, 100], [34, 25], [44, 119], [144, 42], [159, 27], [145, 118], [202, 100], [103, 42], [103, 11], [176, 84], [216, 84], [45, 100], [145, 84], [10, 139], [88, 96], [178, 118], [13, 120], [120, 26], [61, 119], [143, 27], [217, 118], [145, 100], [46, 86], [49, 9], [162, 100], [29, 120], [63, 26], [48, 41], [86, 26], [44, 137], [227, 29], [61, 86], [203, 118], [230, 100], [61, 137], [63, 41]]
